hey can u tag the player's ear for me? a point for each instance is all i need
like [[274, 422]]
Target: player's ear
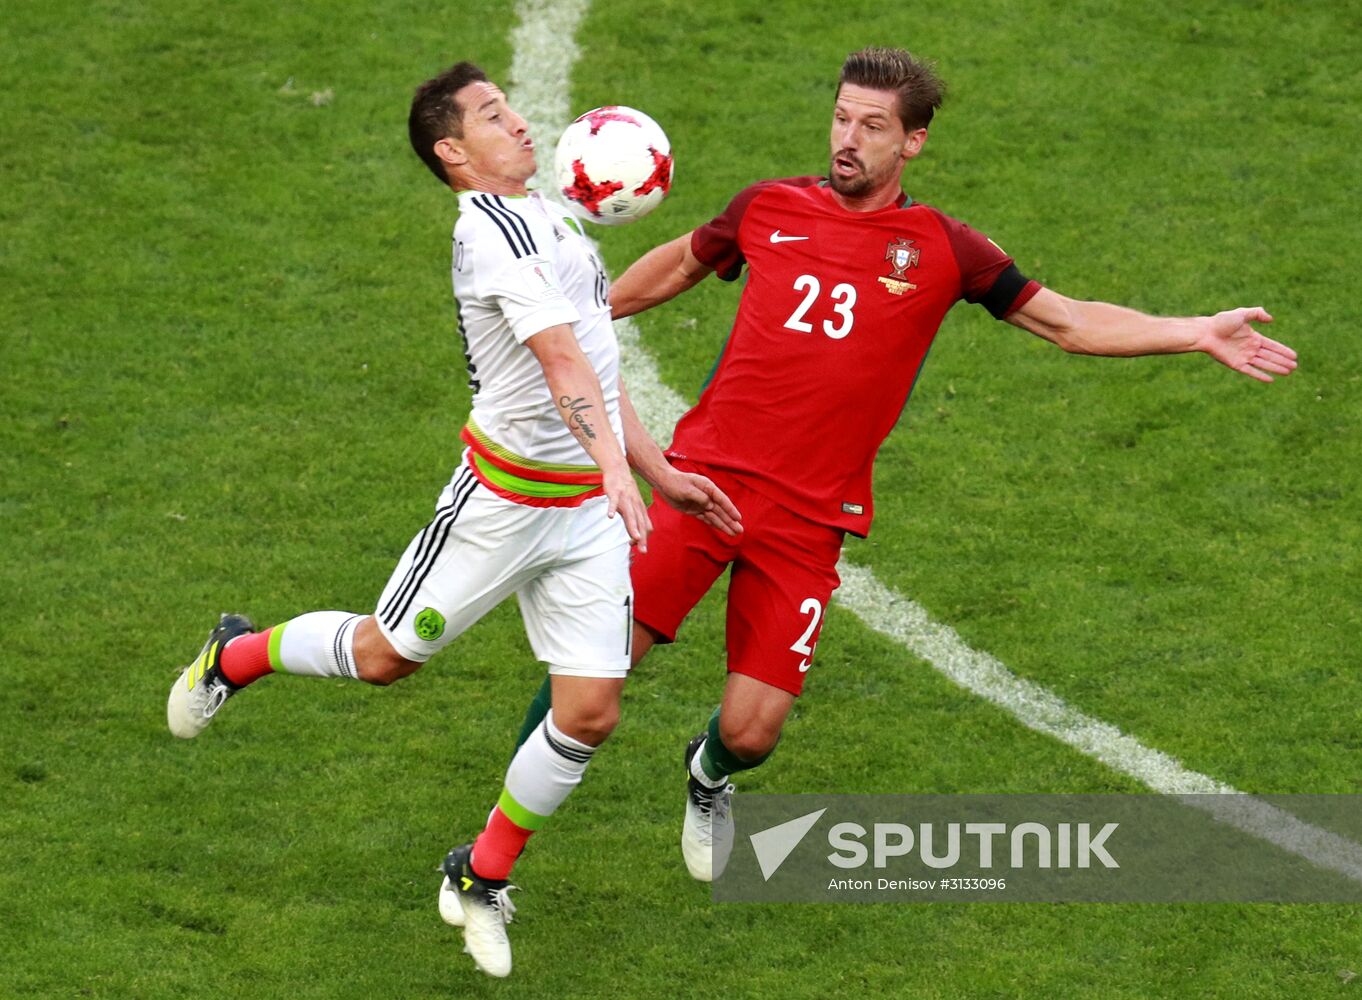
[[451, 152], [913, 142]]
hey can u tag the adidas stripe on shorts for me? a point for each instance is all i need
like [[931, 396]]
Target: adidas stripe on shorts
[[568, 566]]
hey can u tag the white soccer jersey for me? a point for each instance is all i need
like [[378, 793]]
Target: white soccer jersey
[[521, 265]]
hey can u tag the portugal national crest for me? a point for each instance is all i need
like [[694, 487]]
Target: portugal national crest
[[901, 255]]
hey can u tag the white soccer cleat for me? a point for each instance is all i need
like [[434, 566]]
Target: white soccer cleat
[[201, 689], [451, 909], [486, 909], [484, 930], [707, 833]]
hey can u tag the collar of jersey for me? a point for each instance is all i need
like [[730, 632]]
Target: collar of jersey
[[460, 192]]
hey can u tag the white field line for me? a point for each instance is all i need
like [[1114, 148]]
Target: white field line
[[544, 52], [1037, 708]]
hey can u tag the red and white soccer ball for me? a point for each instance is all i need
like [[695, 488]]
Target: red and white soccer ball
[[614, 165]]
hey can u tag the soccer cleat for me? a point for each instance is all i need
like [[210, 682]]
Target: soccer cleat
[[707, 834], [486, 908], [201, 689], [451, 909]]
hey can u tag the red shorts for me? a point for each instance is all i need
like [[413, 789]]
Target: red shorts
[[784, 571]]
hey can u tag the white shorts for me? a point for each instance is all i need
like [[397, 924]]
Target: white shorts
[[568, 566]]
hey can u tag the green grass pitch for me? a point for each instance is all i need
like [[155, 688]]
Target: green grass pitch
[[230, 379]]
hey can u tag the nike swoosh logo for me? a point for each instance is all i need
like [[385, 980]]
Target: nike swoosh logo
[[779, 237]]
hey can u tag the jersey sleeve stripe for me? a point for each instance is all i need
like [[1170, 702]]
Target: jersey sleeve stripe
[[519, 222], [515, 247]]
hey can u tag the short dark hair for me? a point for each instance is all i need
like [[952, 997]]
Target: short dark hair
[[435, 115], [916, 86]]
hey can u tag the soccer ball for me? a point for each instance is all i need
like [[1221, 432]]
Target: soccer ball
[[614, 165]]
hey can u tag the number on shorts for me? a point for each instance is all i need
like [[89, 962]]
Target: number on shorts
[[812, 608]]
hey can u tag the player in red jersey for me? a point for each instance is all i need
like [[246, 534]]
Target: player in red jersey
[[847, 282]]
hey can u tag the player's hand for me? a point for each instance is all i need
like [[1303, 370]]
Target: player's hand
[[1229, 338], [628, 502], [697, 496]]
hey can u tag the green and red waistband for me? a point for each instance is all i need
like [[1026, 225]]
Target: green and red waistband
[[526, 481]]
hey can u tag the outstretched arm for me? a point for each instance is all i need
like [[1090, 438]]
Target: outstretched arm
[[662, 273], [688, 492], [1115, 331]]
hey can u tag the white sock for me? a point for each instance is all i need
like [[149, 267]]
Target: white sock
[[319, 644], [698, 773], [546, 768]]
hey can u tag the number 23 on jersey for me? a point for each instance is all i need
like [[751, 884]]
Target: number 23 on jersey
[[842, 297]]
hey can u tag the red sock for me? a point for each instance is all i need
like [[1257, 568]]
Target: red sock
[[498, 846], [247, 658]]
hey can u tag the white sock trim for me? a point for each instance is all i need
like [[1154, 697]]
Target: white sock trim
[[546, 768], [563, 744], [320, 644], [698, 773]]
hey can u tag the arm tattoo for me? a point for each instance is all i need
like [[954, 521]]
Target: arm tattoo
[[577, 408]]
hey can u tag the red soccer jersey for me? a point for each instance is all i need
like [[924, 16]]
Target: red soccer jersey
[[839, 310]]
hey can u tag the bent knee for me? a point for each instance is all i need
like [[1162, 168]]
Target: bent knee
[[385, 670], [748, 743], [590, 725], [376, 661]]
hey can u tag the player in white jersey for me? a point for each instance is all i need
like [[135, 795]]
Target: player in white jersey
[[531, 510], [520, 262]]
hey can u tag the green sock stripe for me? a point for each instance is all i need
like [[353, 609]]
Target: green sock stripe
[[517, 813], [276, 639], [717, 761]]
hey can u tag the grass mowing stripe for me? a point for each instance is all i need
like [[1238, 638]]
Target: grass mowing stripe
[[544, 51], [1040, 709]]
